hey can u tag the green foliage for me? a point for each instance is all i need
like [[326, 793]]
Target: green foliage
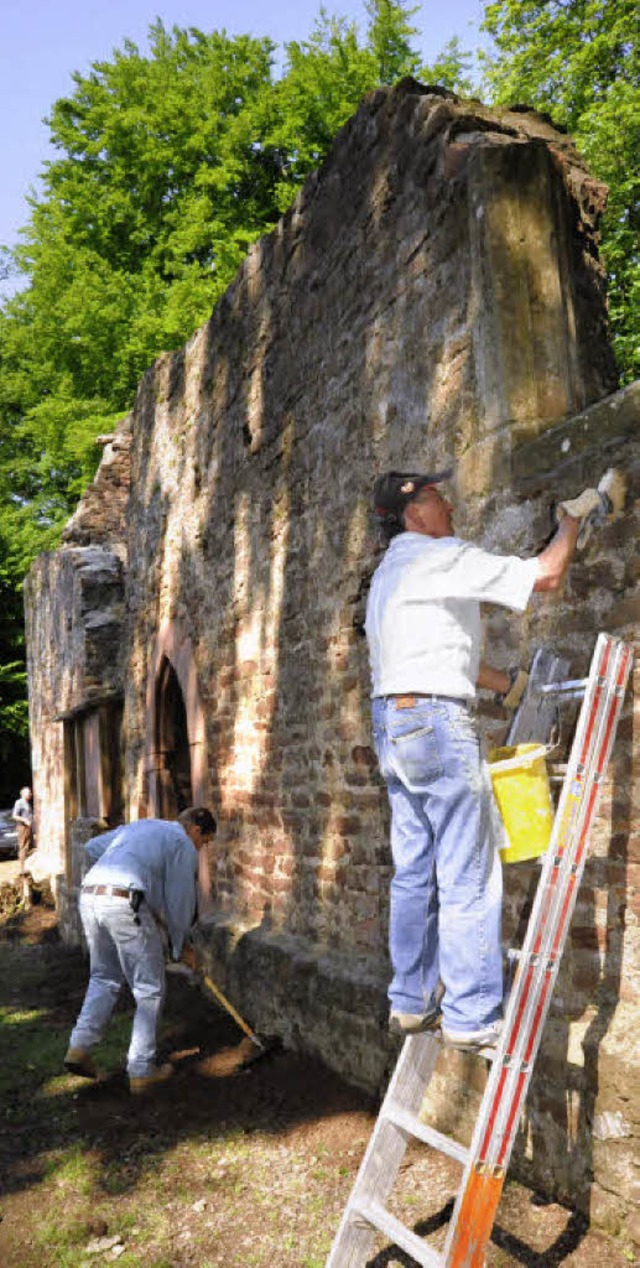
[[580, 60], [390, 33], [14, 747], [6, 264], [452, 69], [13, 707], [324, 80], [146, 214]]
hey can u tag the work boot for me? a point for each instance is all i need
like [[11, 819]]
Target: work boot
[[79, 1061], [413, 1023], [473, 1040], [142, 1083]]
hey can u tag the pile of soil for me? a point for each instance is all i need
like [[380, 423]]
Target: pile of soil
[[26, 910]]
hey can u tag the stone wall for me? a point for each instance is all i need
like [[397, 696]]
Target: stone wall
[[364, 332], [433, 296], [74, 609], [582, 1115]]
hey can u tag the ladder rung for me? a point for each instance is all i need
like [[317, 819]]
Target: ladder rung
[[576, 686], [428, 1135], [402, 1236]]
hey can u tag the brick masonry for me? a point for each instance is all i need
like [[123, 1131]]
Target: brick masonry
[[433, 296]]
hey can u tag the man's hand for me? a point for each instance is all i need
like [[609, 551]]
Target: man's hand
[[595, 507], [512, 698], [507, 685], [578, 508]]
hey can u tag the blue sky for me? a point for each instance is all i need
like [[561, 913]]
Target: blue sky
[[43, 41]]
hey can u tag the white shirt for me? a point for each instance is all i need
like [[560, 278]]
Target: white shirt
[[423, 621]]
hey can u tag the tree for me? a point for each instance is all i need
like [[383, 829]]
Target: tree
[[142, 222], [390, 33], [324, 80], [580, 61], [14, 726], [150, 207]]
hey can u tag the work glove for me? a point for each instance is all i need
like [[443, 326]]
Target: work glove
[[511, 698], [595, 507]]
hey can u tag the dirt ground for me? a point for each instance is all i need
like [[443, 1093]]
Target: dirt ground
[[228, 1164]]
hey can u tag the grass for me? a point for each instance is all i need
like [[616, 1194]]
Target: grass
[[72, 1169]]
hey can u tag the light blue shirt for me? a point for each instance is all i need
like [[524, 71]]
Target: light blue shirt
[[157, 857]]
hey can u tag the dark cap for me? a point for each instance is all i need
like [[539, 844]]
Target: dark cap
[[393, 491]]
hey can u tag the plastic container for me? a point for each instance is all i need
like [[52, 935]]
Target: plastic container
[[521, 789]]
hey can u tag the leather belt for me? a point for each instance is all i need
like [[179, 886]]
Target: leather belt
[[112, 891], [409, 701]]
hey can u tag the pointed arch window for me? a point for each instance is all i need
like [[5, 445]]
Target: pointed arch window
[[173, 755]]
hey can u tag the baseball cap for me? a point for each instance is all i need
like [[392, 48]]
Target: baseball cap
[[393, 491]]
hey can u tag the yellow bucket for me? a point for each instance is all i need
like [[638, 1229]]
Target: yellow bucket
[[521, 789]]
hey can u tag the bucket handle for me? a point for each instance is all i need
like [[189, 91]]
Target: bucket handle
[[516, 763]]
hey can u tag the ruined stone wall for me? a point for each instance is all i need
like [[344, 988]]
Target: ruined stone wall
[[368, 330], [74, 611], [432, 296]]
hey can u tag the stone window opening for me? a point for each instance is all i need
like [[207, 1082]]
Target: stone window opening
[[93, 775]]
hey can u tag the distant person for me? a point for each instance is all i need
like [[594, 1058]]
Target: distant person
[[143, 878], [22, 815]]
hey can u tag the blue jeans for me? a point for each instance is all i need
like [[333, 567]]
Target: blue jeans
[[121, 951], [446, 892]]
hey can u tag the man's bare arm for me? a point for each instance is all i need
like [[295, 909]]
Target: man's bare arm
[[554, 560], [490, 679], [576, 520]]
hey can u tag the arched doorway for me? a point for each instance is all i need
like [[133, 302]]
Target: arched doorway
[[173, 757]]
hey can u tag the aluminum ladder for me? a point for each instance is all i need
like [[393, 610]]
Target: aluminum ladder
[[486, 1160]]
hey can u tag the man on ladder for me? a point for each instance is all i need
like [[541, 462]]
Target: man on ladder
[[424, 630]]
